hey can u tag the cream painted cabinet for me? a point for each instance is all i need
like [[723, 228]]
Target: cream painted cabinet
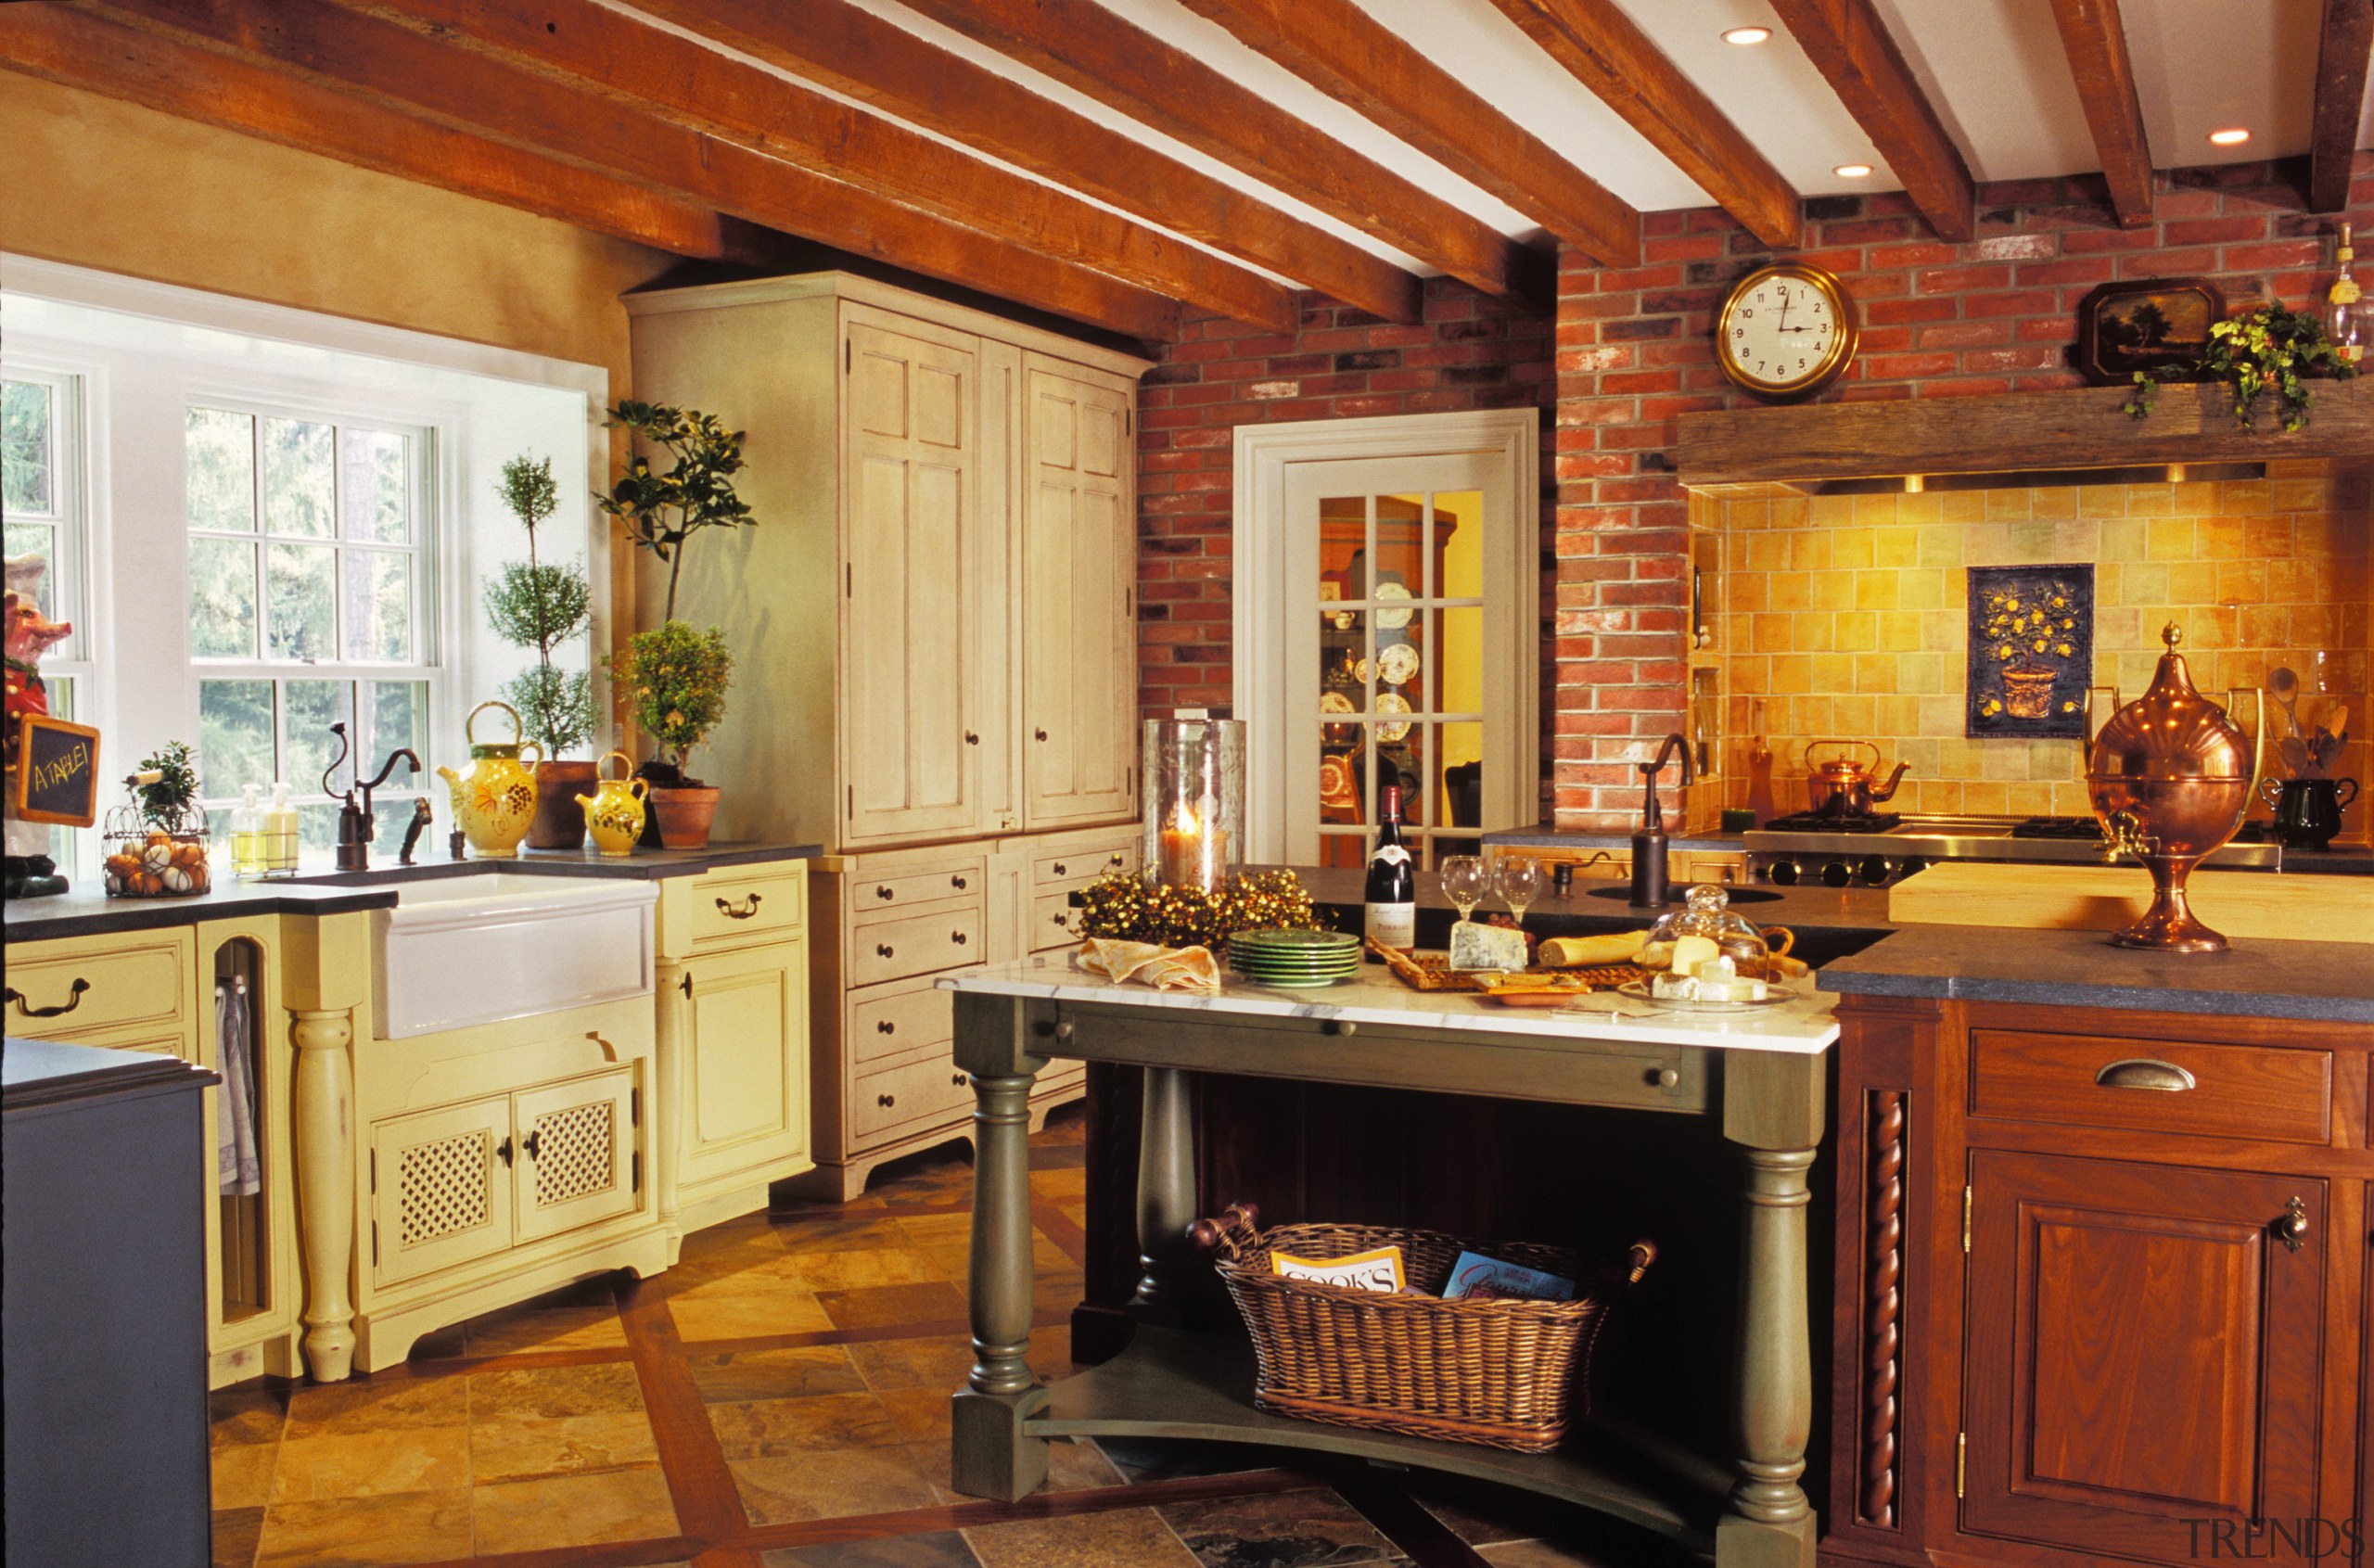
[[917, 628], [1080, 560], [440, 1188]]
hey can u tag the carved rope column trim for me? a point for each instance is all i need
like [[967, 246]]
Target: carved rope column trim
[[324, 1145], [1883, 1306]]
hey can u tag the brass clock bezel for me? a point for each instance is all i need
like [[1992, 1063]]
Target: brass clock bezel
[[1832, 364]]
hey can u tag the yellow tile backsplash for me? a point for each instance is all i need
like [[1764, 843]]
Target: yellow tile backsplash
[[1845, 616]]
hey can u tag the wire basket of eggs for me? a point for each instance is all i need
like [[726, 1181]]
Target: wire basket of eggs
[[154, 845]]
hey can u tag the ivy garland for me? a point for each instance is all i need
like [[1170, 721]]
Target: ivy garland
[[2270, 349]]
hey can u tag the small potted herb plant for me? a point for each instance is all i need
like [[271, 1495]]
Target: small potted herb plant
[[541, 605], [674, 675]]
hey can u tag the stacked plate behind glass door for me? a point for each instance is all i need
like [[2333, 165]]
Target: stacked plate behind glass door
[[1294, 958]]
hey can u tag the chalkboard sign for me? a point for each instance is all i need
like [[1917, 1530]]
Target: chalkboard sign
[[57, 771]]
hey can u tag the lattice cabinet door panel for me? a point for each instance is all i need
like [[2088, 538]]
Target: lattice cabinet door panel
[[747, 1061], [580, 1153], [440, 1188]]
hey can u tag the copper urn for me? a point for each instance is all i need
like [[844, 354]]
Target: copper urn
[[2170, 776]]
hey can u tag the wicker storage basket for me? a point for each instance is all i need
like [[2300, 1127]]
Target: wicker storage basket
[[1510, 1374]]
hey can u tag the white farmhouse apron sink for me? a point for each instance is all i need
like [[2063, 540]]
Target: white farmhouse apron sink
[[456, 951]]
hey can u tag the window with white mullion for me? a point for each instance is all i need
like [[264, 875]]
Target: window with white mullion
[[310, 586]]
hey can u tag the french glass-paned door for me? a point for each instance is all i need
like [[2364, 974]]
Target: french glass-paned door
[[1388, 683]]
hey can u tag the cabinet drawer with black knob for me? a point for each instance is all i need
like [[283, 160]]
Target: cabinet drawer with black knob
[[889, 892], [1083, 864], [896, 1020], [931, 1089], [952, 936]]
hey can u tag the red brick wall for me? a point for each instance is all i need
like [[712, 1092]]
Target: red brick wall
[[1471, 351], [1633, 352]]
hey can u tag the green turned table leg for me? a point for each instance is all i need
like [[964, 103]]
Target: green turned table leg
[[1772, 1104], [992, 1457], [1165, 1194]]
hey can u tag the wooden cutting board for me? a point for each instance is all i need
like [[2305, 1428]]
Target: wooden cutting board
[[2240, 903]]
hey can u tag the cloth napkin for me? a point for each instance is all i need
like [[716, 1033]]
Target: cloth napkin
[[1166, 969]]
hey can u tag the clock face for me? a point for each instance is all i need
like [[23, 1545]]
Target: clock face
[[1785, 331]]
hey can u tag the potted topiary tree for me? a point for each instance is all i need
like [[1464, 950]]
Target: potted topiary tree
[[541, 605], [675, 675]]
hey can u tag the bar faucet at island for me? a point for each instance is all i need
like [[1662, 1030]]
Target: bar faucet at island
[[1649, 843]]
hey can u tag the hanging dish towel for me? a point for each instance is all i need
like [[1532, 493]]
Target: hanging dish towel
[[236, 1171]]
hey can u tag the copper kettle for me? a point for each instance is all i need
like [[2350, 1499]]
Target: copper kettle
[[1843, 787]]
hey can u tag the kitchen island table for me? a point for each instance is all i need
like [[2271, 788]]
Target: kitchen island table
[[1761, 1075]]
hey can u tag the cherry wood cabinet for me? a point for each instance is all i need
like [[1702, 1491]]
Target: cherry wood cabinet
[[2101, 1287]]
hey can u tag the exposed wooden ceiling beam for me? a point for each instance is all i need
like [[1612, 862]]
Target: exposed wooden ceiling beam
[[2341, 57], [1092, 265], [67, 44], [1606, 51], [2095, 40], [859, 54], [1335, 47], [1853, 51], [1090, 49], [616, 63]]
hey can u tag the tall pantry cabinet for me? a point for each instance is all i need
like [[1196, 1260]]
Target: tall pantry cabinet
[[935, 655]]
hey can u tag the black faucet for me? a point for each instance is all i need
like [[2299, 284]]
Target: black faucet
[[1649, 889], [356, 825]]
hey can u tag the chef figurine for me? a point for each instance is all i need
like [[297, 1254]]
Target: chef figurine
[[30, 874]]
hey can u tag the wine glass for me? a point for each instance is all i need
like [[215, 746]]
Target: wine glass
[[1519, 880], [1465, 882]]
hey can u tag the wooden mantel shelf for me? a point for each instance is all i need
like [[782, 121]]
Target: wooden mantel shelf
[[2074, 427]]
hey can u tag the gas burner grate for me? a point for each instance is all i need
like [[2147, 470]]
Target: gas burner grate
[[1816, 821], [2084, 828]]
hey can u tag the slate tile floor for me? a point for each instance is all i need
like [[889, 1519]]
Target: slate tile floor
[[780, 1400]]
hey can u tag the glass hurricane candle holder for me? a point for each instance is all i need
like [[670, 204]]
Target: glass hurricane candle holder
[[1194, 801]]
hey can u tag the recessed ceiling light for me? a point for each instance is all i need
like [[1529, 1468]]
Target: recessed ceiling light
[[1747, 35], [2232, 136], [1853, 170]]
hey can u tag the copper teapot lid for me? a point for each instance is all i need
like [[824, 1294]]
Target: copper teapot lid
[[2172, 732]]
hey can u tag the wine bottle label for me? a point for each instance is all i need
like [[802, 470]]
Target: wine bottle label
[[1393, 926], [1391, 854]]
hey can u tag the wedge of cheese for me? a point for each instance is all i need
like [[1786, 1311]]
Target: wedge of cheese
[[1485, 947], [1691, 952]]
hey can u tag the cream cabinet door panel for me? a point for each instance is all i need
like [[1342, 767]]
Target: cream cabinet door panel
[[578, 1154], [440, 1186], [1079, 587], [911, 635], [745, 1062]]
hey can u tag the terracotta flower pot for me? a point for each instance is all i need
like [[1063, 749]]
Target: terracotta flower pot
[[683, 816], [559, 821]]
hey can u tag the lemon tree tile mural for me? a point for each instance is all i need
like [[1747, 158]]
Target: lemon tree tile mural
[[2031, 649]]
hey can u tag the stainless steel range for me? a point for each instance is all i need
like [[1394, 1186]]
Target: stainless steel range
[[1879, 848]]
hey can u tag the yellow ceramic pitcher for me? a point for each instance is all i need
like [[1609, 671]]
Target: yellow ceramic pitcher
[[614, 811], [495, 799]]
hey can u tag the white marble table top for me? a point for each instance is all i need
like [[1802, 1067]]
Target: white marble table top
[[1803, 1026]]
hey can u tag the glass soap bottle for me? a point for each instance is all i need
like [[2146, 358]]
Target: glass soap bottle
[[280, 834], [247, 834]]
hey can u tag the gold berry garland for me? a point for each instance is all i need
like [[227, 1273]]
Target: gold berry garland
[[1119, 906]]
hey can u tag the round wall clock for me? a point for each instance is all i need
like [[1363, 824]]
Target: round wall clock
[[1785, 331]]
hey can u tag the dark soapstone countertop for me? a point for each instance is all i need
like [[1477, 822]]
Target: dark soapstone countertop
[[84, 911], [2331, 982]]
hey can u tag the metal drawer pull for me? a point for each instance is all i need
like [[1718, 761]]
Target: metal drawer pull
[[958, 1081], [957, 937], [73, 1000], [532, 1144], [1061, 919], [958, 883], [729, 913], [886, 1100], [887, 1028], [2144, 1071], [1040, 735], [885, 892], [884, 950], [1115, 860], [2293, 1229], [1060, 868], [503, 1150], [971, 738]]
